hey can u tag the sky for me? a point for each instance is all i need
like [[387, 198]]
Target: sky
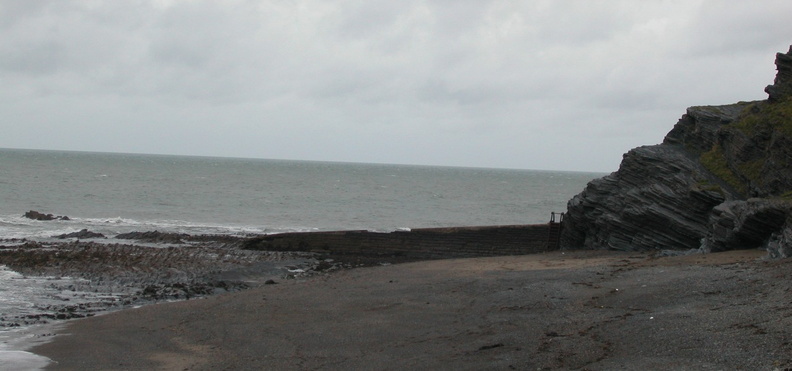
[[544, 84]]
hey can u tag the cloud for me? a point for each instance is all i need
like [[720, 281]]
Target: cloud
[[476, 83], [724, 29]]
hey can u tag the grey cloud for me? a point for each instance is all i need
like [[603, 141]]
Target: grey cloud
[[477, 83], [17, 11], [725, 28], [32, 59], [370, 19]]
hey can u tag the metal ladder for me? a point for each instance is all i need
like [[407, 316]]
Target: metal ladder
[[554, 231]]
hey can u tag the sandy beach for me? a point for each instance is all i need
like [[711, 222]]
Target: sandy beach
[[592, 310]]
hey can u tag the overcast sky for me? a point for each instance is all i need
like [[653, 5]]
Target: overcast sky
[[555, 85]]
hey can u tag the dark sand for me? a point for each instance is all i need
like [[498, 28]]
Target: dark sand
[[572, 310]]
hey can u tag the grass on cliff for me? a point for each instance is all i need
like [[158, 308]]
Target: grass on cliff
[[715, 161], [751, 169], [763, 116]]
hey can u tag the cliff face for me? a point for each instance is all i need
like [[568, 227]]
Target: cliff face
[[721, 179]]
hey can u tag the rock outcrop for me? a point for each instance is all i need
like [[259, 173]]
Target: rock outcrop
[[659, 198], [154, 237], [747, 224], [780, 243], [35, 215], [692, 191], [782, 86], [82, 234]]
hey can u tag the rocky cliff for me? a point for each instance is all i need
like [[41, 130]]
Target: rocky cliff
[[721, 180]]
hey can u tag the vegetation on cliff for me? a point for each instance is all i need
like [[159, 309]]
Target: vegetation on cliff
[[752, 153], [715, 161], [765, 116]]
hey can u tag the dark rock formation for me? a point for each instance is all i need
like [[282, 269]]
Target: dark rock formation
[[154, 236], [660, 197], [691, 191], [752, 153], [81, 234], [745, 224], [35, 215], [782, 87], [698, 129], [780, 243]]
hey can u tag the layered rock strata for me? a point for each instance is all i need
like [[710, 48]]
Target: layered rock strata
[[656, 200], [751, 223], [782, 86], [692, 191]]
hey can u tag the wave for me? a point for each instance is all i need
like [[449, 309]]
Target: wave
[[19, 227]]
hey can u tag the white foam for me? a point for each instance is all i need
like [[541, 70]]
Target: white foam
[[18, 227], [19, 360], [16, 343], [22, 294]]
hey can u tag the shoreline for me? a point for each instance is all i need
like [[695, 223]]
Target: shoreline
[[16, 345], [563, 309]]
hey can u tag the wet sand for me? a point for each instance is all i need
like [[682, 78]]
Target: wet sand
[[589, 310]]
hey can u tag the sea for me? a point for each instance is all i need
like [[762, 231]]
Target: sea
[[112, 193]]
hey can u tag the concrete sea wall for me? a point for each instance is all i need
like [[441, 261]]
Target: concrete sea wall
[[416, 244]]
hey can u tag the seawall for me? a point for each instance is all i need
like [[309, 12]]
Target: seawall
[[416, 244]]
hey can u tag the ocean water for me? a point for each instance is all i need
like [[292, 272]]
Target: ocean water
[[117, 193]]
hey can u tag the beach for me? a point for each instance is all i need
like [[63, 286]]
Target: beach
[[593, 310]]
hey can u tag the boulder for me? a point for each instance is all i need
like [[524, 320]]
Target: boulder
[[35, 215]]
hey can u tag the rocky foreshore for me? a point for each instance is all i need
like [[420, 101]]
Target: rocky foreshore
[[86, 277]]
